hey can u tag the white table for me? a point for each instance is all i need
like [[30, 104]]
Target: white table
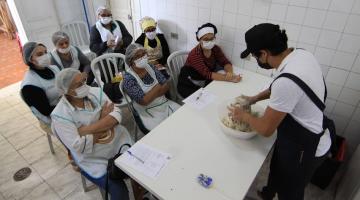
[[197, 145]]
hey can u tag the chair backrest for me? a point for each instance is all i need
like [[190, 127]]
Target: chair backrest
[[108, 65], [175, 62], [78, 32]]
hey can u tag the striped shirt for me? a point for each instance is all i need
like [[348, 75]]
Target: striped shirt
[[205, 66]]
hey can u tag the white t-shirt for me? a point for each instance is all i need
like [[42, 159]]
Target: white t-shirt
[[286, 96]]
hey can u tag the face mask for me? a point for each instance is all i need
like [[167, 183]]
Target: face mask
[[64, 51], [263, 65], [208, 44], [82, 91], [105, 20], [141, 62], [43, 61], [151, 35]]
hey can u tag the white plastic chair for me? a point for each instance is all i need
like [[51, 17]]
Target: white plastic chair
[[79, 36], [48, 132], [102, 64], [175, 62]]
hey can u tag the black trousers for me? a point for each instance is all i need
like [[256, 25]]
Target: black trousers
[[290, 171]]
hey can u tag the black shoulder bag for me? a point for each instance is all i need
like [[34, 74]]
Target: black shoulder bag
[[113, 172]]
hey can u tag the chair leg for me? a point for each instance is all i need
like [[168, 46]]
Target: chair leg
[[83, 182], [86, 188], [102, 192], [50, 143]]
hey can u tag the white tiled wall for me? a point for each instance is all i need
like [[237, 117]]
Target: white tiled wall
[[328, 28]]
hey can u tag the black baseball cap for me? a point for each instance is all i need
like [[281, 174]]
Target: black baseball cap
[[260, 37]]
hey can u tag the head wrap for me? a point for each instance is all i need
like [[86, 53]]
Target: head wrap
[[147, 22]]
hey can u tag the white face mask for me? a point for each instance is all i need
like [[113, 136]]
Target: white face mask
[[64, 51], [105, 20], [43, 61], [82, 91], [141, 62], [208, 44], [151, 35]]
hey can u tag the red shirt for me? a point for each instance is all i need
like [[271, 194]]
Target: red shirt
[[203, 65]]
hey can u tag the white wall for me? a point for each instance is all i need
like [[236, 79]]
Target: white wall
[[328, 28], [69, 10]]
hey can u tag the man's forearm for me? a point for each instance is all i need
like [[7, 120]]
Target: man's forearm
[[257, 124], [262, 95]]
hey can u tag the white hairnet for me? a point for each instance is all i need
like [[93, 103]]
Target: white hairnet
[[28, 50], [130, 52], [101, 8], [59, 35], [64, 78]]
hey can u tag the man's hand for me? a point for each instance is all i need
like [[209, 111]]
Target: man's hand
[[250, 99], [237, 113], [107, 108]]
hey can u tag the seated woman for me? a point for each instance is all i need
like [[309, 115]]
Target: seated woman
[[155, 44], [146, 86], [65, 55], [38, 86], [87, 123], [205, 62], [109, 36]]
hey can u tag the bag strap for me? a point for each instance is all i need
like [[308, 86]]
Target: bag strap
[[124, 145], [108, 171], [308, 91], [107, 186]]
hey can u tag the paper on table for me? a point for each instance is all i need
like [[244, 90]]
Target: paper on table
[[200, 99], [146, 159]]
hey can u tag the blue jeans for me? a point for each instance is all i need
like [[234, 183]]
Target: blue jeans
[[117, 188]]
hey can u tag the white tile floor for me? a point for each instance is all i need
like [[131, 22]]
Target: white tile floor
[[24, 144]]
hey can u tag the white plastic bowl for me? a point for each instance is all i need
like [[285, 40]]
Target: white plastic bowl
[[223, 112]]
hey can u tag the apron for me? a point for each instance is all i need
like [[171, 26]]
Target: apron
[[154, 54], [74, 56], [52, 93], [293, 162], [95, 163], [159, 109]]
